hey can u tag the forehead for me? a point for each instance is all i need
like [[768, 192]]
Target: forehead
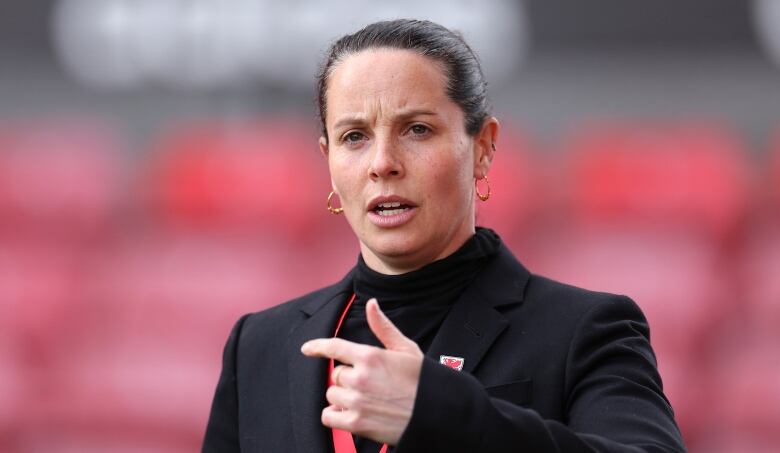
[[382, 79]]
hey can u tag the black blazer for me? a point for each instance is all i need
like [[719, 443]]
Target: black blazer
[[548, 368]]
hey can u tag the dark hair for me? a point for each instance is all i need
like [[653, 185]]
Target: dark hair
[[466, 85]]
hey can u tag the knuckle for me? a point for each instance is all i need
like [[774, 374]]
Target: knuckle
[[357, 401], [372, 357], [360, 378], [330, 394], [354, 400]]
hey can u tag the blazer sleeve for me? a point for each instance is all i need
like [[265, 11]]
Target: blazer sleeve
[[612, 395], [222, 428]]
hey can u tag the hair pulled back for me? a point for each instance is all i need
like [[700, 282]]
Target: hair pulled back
[[466, 85]]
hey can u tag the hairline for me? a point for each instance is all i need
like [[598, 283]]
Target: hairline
[[339, 59]]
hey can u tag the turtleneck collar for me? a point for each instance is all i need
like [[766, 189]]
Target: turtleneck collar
[[437, 283], [416, 302]]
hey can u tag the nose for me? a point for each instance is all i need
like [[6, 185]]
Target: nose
[[386, 160]]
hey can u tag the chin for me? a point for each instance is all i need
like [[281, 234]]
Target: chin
[[394, 244]]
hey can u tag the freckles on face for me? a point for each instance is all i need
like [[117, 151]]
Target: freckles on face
[[398, 154]]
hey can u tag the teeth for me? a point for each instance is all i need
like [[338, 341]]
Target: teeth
[[389, 212], [394, 204]]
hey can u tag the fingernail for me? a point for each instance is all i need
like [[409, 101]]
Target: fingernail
[[305, 347]]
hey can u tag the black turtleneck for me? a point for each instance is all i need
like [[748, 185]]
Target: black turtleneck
[[416, 302]]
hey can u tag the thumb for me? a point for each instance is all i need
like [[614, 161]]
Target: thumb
[[384, 329]]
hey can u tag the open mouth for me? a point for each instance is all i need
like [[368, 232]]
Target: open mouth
[[392, 208]]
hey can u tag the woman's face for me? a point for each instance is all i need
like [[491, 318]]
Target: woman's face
[[400, 158]]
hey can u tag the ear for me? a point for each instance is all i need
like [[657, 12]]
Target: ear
[[324, 151], [324, 146], [484, 148]]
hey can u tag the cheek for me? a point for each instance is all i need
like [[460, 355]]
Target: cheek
[[450, 184], [456, 171], [345, 175]]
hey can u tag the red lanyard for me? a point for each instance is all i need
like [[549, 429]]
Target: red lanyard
[[342, 440]]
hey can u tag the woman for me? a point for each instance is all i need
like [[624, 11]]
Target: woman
[[470, 352]]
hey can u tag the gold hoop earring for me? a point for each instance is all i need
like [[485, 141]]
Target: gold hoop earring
[[331, 209], [483, 197]]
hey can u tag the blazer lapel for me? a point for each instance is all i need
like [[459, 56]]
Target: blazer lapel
[[474, 324], [468, 331], [307, 375]]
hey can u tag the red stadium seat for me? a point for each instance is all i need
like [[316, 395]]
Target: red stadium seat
[[257, 176], [517, 179], [41, 316], [774, 174], [41, 296], [16, 389], [759, 257], [189, 287], [689, 388], [759, 277], [147, 355], [58, 179], [691, 175], [747, 395], [132, 393]]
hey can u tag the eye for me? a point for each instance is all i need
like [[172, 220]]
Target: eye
[[419, 129], [352, 137]]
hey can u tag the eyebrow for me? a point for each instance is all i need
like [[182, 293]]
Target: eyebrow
[[356, 119]]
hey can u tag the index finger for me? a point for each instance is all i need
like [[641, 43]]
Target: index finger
[[335, 348]]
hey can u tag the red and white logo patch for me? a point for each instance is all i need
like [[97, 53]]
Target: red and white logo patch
[[456, 363]]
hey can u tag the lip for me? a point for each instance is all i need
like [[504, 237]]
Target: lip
[[392, 221], [374, 202]]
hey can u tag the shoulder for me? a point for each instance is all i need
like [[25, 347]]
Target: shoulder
[[578, 313], [291, 309], [559, 304], [279, 319], [558, 295], [581, 324], [512, 277]]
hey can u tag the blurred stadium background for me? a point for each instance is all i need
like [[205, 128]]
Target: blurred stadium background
[[159, 176]]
